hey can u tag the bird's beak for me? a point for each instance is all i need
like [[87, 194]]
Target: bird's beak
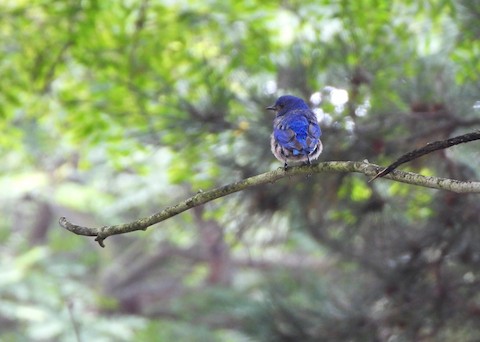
[[272, 107]]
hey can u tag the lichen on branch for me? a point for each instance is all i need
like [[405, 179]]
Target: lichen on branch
[[203, 197]]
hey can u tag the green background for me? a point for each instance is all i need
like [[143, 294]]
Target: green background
[[113, 110]]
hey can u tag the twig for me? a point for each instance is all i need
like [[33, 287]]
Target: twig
[[429, 148], [201, 197]]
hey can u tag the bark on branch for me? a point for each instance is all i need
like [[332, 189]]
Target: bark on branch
[[429, 148], [201, 197]]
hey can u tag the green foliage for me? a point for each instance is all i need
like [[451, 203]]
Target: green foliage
[[356, 189], [44, 301], [111, 110]]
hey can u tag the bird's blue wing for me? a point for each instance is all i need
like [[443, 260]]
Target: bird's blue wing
[[285, 136], [314, 131], [291, 134]]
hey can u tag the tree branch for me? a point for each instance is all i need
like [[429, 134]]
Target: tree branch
[[201, 197], [428, 148]]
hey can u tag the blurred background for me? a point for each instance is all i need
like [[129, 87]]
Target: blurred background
[[113, 110]]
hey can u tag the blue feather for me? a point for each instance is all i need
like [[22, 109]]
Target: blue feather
[[296, 134]]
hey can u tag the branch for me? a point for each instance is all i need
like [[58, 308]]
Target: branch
[[428, 148], [201, 197]]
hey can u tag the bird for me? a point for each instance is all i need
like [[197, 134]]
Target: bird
[[296, 133]]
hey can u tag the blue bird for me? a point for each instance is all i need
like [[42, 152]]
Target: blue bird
[[296, 134]]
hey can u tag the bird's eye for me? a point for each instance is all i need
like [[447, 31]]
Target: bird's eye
[[281, 105]]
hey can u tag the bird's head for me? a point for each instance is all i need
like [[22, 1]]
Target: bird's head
[[286, 103]]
